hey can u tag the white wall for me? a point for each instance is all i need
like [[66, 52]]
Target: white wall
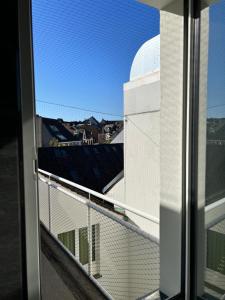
[[171, 147], [142, 144], [119, 138], [43, 202], [117, 191]]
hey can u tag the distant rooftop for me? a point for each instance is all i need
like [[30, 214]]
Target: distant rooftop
[[57, 130], [93, 166]]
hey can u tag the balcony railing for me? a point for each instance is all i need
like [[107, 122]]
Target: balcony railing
[[101, 233], [215, 245]]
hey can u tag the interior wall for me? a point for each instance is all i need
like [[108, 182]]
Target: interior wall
[[11, 200]]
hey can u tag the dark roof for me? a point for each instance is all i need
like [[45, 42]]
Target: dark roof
[[92, 121], [57, 130], [93, 166], [215, 175], [216, 129]]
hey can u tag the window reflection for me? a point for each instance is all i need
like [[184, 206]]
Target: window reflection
[[214, 274]]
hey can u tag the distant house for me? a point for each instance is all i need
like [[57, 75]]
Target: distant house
[[110, 130], [91, 134], [51, 132], [70, 126], [78, 139], [57, 132], [92, 122], [101, 138], [104, 138]]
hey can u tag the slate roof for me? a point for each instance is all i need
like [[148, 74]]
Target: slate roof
[[91, 121], [57, 130], [93, 166]]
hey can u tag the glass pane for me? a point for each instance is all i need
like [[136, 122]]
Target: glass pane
[[109, 99], [212, 147], [83, 245], [215, 251], [93, 242], [68, 240]]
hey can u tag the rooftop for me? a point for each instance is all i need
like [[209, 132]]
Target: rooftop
[[57, 130], [93, 166]]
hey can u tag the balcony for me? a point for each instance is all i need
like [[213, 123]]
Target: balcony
[[121, 258], [61, 275]]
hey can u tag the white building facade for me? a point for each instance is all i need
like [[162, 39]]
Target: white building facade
[[142, 134]]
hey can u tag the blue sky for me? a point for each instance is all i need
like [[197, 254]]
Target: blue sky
[[216, 65], [83, 51]]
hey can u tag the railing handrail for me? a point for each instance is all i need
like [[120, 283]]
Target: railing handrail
[[214, 205], [215, 213], [103, 211], [155, 220], [101, 196], [82, 200]]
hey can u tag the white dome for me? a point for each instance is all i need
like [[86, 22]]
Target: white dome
[[147, 59]]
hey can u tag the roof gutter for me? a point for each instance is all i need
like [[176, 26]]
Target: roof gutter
[[113, 182]]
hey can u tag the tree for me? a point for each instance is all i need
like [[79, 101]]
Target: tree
[[54, 142]]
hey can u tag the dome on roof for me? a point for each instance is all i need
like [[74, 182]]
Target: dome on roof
[[147, 59]]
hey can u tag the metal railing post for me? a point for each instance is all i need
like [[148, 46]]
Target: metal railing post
[[49, 202], [89, 237]]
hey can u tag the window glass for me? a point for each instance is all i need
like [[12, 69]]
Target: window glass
[[95, 241], [212, 150], [83, 245], [68, 240], [112, 71]]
